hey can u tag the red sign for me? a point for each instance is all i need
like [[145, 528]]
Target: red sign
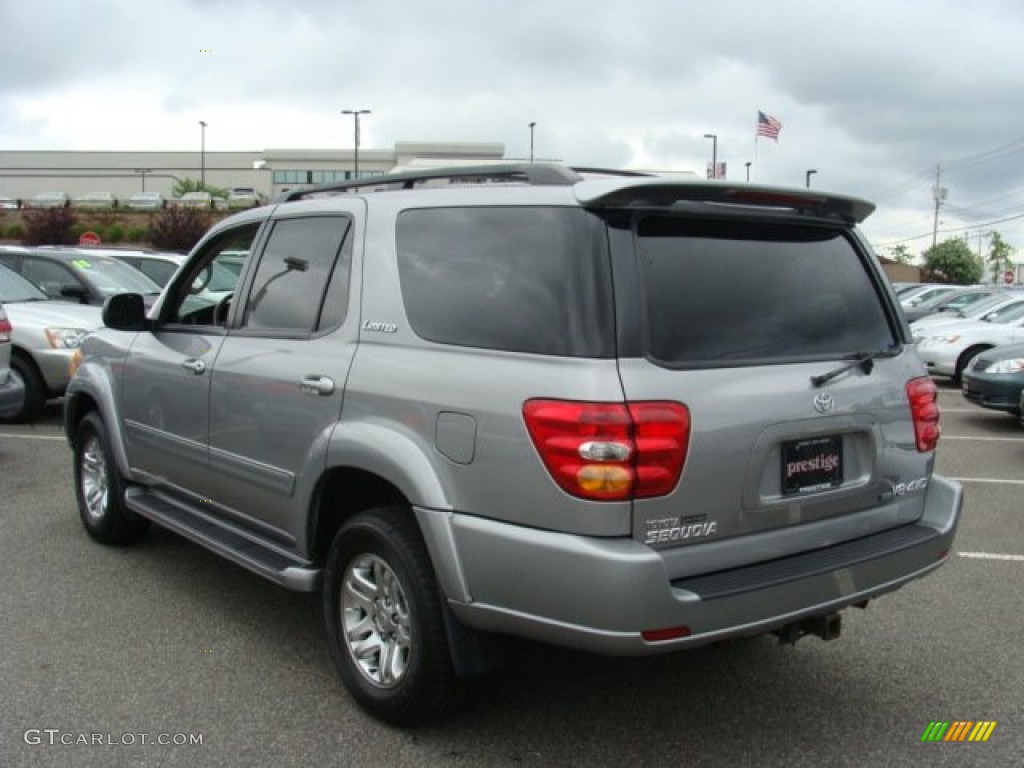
[[89, 238], [1008, 277]]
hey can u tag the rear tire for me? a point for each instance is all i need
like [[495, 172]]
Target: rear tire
[[99, 487], [384, 621]]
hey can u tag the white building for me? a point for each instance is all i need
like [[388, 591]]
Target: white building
[[271, 171]]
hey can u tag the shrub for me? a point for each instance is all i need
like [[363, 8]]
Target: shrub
[[49, 226], [178, 229], [115, 234], [137, 235], [15, 231]]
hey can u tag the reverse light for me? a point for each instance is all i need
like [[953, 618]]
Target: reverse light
[[610, 451], [924, 410], [65, 338], [5, 329]]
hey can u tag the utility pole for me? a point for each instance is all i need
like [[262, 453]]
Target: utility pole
[[939, 194]]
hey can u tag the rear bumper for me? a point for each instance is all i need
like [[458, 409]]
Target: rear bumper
[[601, 594]]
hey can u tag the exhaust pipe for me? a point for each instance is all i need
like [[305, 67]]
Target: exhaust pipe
[[826, 627]]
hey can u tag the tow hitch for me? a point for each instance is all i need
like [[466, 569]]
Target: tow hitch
[[826, 627]]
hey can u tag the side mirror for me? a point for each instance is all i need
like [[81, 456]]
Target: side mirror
[[125, 312], [73, 291]]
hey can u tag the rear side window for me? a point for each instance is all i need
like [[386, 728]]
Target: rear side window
[[299, 261], [720, 291], [517, 279]]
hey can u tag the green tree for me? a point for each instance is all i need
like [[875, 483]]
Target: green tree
[[900, 253], [998, 255], [951, 261], [194, 185]]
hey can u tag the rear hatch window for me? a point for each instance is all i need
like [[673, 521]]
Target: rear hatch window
[[735, 293]]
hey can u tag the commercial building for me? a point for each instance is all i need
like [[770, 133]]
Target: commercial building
[[270, 171]]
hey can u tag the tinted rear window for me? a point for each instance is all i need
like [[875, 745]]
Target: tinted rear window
[[720, 291], [516, 279]]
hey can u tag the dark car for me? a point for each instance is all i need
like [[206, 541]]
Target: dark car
[[76, 275], [996, 379]]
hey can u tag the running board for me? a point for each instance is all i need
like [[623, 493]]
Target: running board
[[227, 541]]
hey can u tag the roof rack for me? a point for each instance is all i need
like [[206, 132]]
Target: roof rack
[[534, 174]]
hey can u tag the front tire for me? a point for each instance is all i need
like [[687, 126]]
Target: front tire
[[35, 392], [99, 487], [384, 621]]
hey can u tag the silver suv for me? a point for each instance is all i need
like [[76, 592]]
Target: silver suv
[[614, 412]]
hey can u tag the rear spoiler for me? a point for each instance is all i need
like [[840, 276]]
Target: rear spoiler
[[642, 193]]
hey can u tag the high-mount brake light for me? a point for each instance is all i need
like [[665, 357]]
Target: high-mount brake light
[[610, 451], [924, 410]]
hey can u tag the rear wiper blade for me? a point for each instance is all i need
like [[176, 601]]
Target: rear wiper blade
[[863, 360]]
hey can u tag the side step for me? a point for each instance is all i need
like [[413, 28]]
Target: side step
[[227, 541]]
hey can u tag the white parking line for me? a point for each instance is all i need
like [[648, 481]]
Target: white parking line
[[991, 556], [14, 436]]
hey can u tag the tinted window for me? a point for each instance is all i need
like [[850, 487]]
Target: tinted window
[[719, 291], [517, 279], [48, 275], [290, 285], [159, 272]]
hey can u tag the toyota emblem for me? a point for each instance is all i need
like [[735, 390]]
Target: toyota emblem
[[824, 403]]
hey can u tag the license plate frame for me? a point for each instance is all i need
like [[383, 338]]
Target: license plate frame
[[810, 465]]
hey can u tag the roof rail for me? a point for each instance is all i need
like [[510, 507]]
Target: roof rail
[[534, 174]]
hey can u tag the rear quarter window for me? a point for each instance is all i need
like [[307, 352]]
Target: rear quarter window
[[748, 292], [528, 279]]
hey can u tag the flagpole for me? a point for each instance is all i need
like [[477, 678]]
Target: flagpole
[[755, 156]]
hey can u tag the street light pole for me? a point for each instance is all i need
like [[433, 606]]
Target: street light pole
[[356, 113], [714, 154], [807, 177], [202, 154], [532, 125], [748, 164], [143, 171]]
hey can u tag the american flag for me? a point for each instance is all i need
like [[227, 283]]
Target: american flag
[[768, 126]]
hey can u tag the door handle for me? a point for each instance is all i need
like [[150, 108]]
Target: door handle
[[317, 385], [198, 367]]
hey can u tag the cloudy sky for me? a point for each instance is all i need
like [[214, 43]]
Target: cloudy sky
[[874, 95]]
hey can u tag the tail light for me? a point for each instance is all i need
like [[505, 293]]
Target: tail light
[[610, 451], [924, 409], [5, 329]]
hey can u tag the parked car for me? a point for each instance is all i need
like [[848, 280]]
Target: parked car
[[244, 197], [202, 200], [950, 350], [952, 301], [48, 200], [44, 335], [8, 204], [996, 308], [923, 293], [12, 388], [996, 379], [88, 278], [597, 412], [146, 201], [96, 201]]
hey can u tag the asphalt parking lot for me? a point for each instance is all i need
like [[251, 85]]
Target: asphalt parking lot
[[164, 642]]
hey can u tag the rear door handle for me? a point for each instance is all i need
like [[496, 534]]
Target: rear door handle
[[317, 385], [198, 367]]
